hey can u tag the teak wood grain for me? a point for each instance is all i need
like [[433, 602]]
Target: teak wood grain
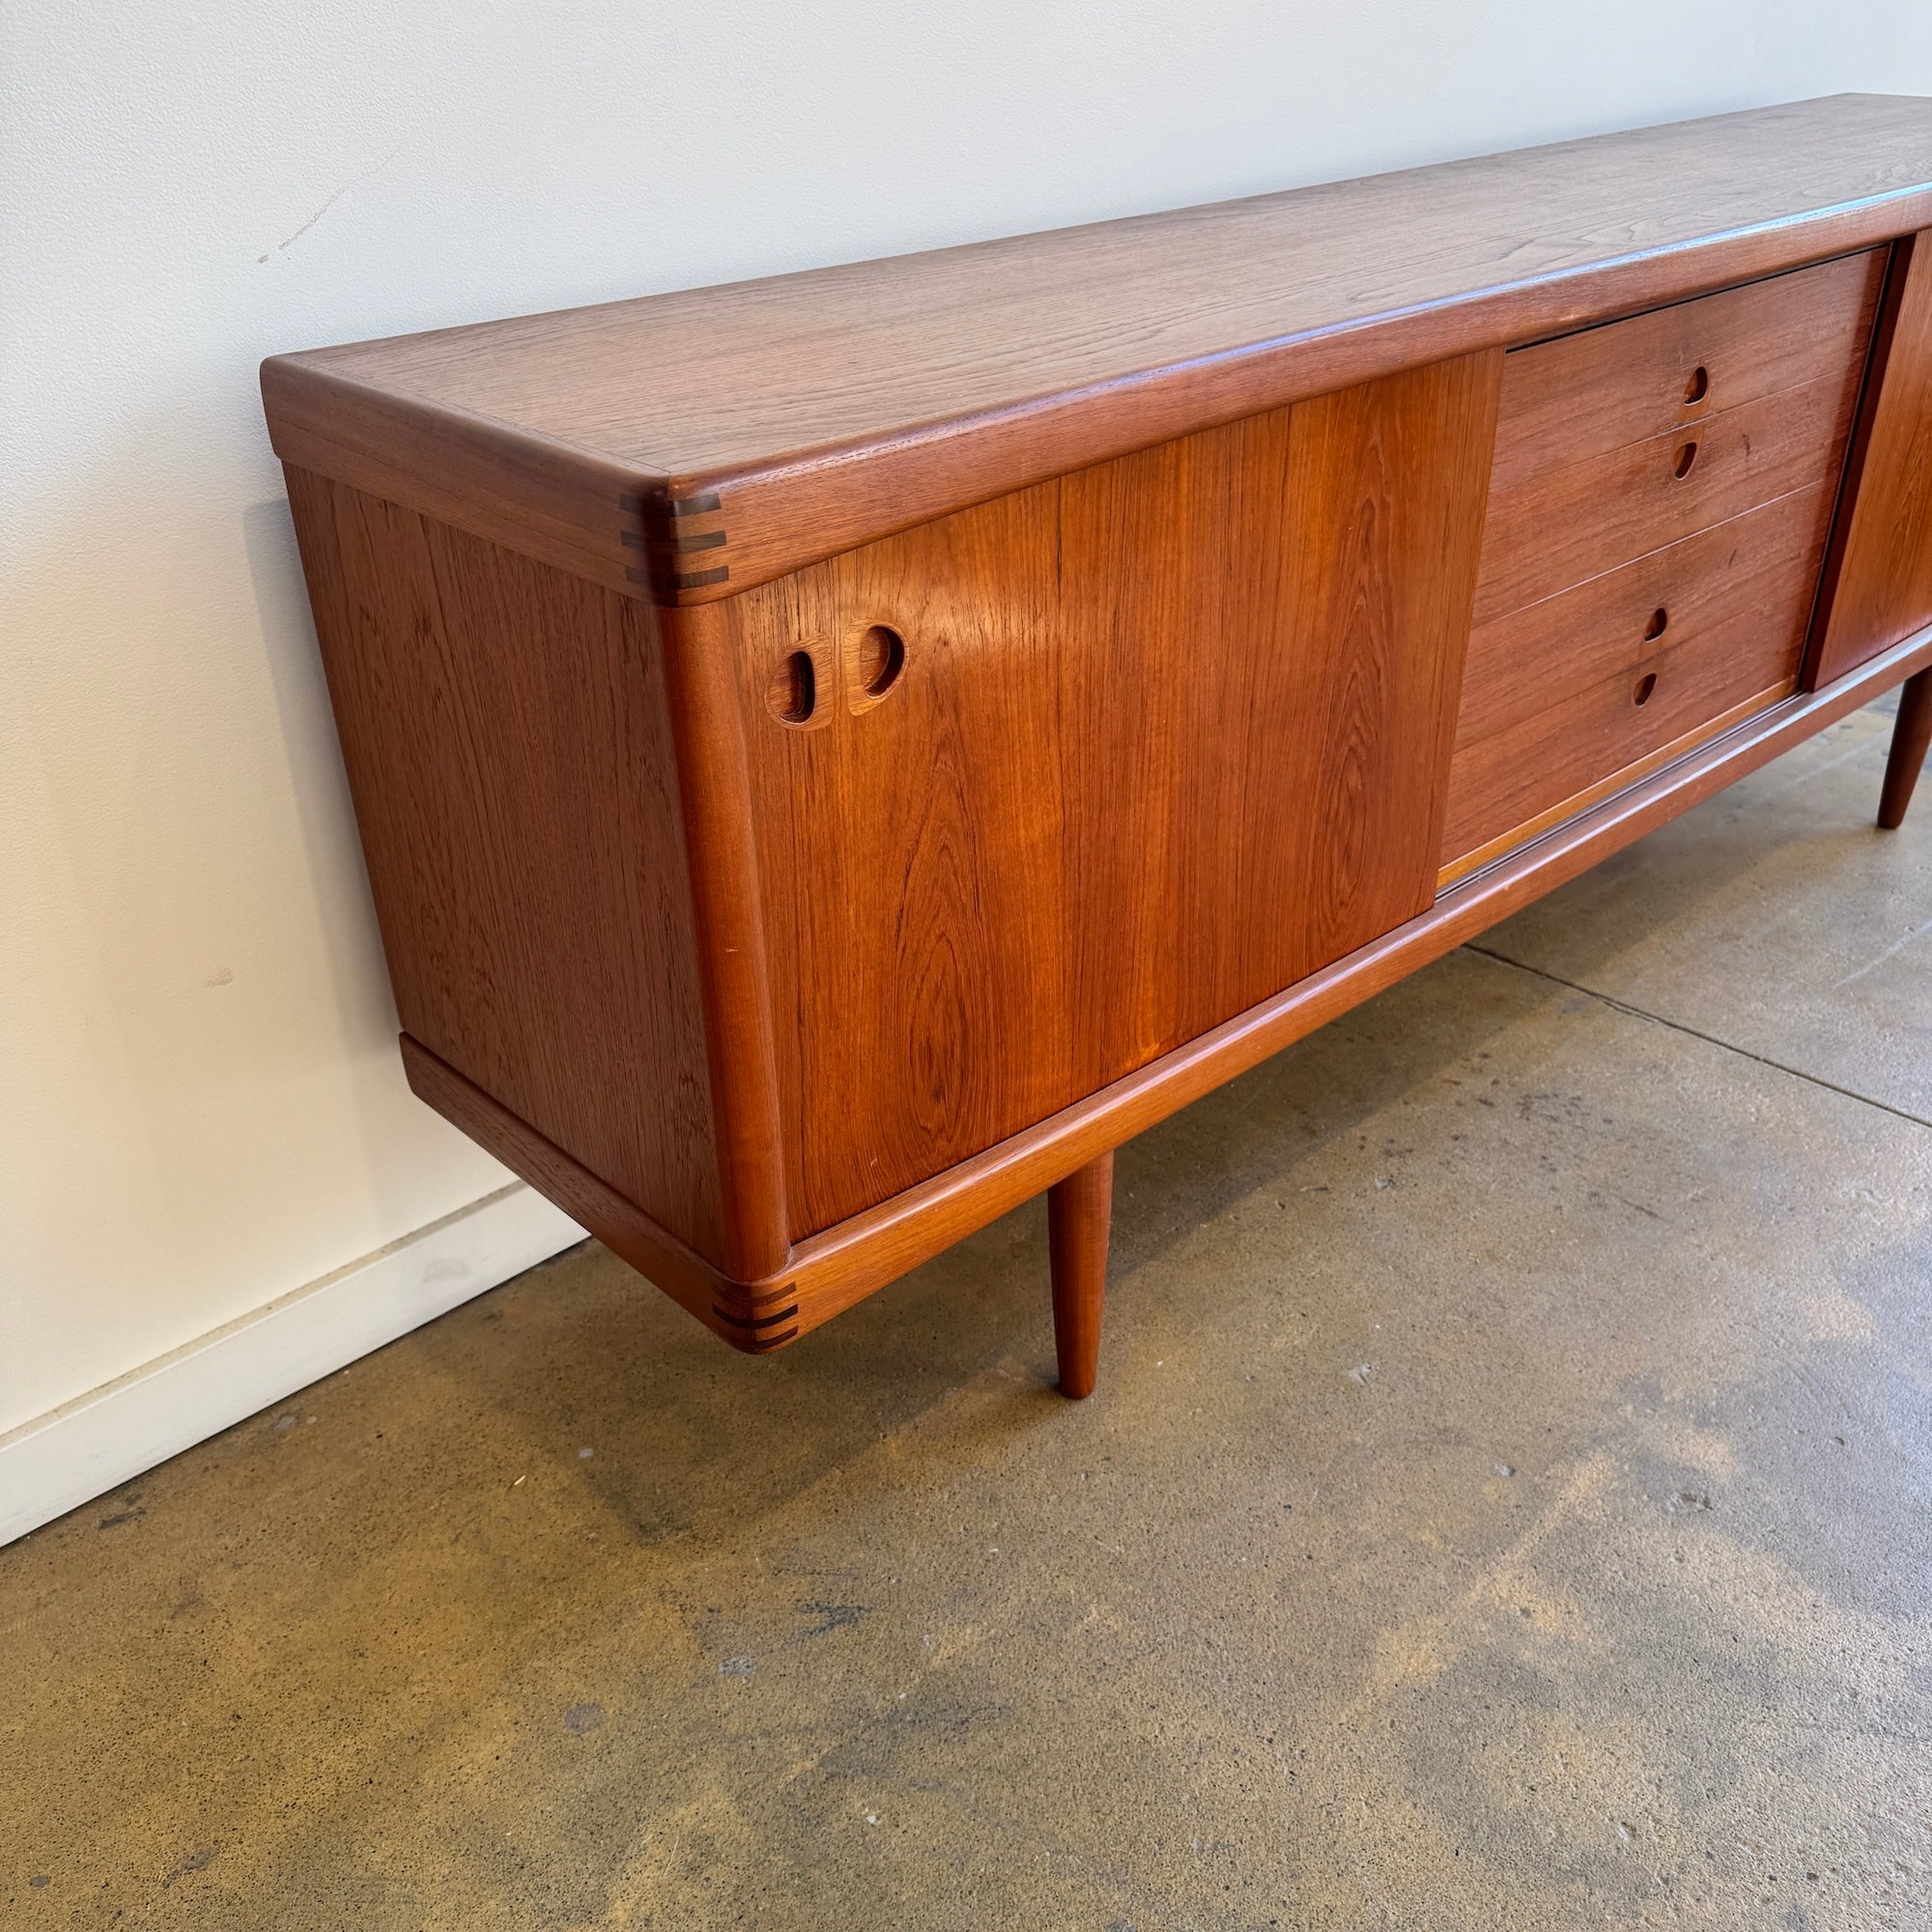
[[1573, 524], [686, 447], [1750, 580], [1169, 734], [1536, 768], [1878, 585], [507, 734], [1620, 382], [715, 797], [1549, 690], [1087, 662], [1616, 780]]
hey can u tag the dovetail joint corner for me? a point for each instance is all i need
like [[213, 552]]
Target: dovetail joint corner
[[660, 526], [758, 1334]]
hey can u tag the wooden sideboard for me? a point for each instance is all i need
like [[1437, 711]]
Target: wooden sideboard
[[838, 755]]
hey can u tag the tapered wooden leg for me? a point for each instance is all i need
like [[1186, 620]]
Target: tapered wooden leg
[[1910, 737], [1078, 1212]]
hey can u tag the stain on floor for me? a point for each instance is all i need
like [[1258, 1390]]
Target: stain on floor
[[1505, 1505]]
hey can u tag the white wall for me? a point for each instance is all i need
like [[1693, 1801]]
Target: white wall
[[202, 1106]]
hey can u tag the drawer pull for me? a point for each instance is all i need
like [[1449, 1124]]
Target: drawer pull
[[881, 658], [1698, 386], [793, 692], [1686, 457], [1659, 622], [1645, 685]]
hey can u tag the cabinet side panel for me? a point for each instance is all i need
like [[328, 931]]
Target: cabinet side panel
[[1878, 577], [508, 747], [1167, 734]]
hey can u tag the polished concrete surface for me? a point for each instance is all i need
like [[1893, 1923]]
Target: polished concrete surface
[[1505, 1505]]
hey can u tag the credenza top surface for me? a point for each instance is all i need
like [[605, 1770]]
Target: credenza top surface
[[835, 406], [755, 372]]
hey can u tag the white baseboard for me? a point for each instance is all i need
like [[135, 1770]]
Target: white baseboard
[[90, 1445]]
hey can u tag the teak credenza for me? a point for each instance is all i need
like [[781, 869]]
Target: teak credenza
[[838, 755]]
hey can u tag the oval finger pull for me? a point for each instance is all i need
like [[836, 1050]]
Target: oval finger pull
[[1646, 686], [881, 658], [1687, 456], [1659, 622], [1698, 386], [793, 696], [875, 662]]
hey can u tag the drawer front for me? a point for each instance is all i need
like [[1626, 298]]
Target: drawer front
[[1565, 694], [1575, 522], [1585, 394]]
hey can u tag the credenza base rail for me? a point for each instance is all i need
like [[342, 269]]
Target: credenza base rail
[[829, 1272]]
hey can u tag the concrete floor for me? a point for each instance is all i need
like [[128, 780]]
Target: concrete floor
[[1506, 1505]]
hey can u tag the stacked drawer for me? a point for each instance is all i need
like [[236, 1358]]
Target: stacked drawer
[[1662, 493]]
